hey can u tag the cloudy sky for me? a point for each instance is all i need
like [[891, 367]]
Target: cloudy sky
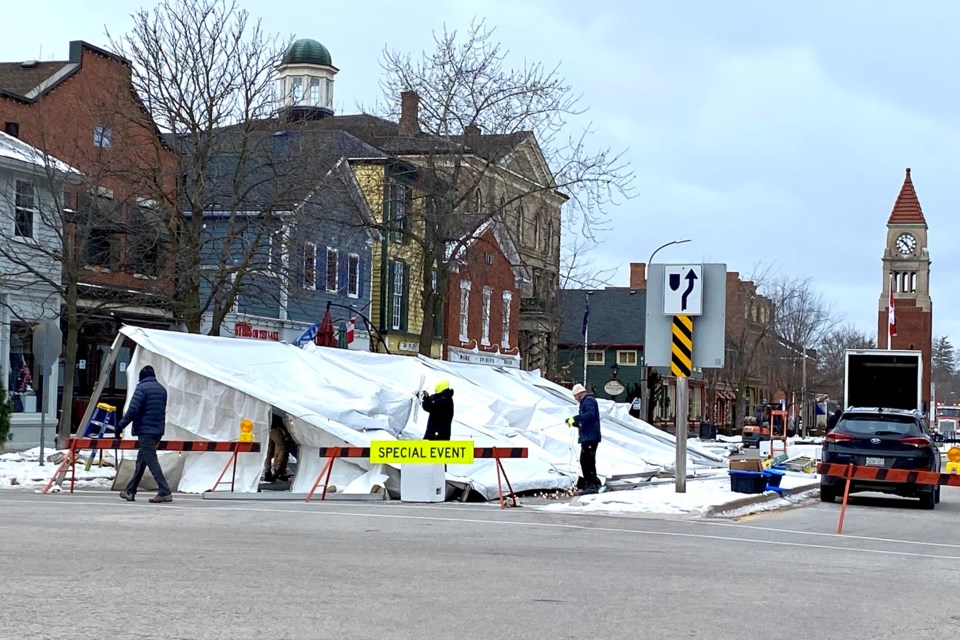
[[770, 133]]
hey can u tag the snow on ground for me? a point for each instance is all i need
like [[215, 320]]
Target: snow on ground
[[661, 498], [22, 470]]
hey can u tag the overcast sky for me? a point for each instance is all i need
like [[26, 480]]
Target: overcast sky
[[767, 132]]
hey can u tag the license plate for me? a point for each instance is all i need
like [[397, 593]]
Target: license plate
[[876, 462]]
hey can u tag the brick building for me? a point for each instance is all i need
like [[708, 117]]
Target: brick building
[[482, 302], [84, 110], [906, 270]]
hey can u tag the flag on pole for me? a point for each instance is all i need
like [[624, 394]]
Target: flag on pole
[[892, 316], [351, 326], [586, 318], [308, 335]]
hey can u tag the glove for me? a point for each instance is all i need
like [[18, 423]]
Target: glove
[[570, 422]]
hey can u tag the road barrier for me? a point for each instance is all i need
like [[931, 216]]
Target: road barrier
[[880, 474], [428, 452], [116, 444]]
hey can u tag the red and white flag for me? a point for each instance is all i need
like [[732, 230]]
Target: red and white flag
[[891, 314], [350, 329]]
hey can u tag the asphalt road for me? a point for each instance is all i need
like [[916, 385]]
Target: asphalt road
[[91, 566]]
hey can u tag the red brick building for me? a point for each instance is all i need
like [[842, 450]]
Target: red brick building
[[482, 302], [906, 270], [85, 111]]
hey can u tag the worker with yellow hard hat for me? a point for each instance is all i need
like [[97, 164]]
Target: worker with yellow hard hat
[[440, 407]]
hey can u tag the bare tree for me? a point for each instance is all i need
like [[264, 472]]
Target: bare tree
[[494, 141], [204, 69], [830, 356]]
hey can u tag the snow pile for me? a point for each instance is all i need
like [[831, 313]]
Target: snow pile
[[661, 498], [22, 470]]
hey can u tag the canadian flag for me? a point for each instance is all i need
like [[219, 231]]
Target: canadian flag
[[891, 314], [350, 328]]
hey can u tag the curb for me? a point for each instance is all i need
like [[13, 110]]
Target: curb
[[759, 499]]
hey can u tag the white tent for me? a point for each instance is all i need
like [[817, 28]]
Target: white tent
[[349, 398]]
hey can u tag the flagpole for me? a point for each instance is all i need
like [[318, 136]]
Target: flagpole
[[586, 332]]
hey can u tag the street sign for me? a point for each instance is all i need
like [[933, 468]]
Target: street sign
[[682, 347], [47, 344], [683, 289], [709, 328]]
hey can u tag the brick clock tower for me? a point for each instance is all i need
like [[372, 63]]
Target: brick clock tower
[[906, 268]]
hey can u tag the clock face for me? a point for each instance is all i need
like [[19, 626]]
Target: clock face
[[906, 243]]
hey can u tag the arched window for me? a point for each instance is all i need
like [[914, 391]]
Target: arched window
[[520, 224], [478, 201]]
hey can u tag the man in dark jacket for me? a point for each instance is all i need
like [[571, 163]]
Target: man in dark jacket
[[587, 423], [440, 407], [148, 413]]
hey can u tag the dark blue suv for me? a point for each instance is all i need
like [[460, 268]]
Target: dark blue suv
[[885, 438]]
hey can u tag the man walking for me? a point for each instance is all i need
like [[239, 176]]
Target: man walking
[[587, 423], [148, 413]]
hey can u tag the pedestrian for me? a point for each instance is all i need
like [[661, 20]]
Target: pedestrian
[[148, 413], [278, 453], [833, 420], [587, 423], [440, 407]]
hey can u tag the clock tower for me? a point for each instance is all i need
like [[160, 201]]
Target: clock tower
[[906, 270]]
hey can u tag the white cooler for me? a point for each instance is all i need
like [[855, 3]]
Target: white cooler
[[422, 483]]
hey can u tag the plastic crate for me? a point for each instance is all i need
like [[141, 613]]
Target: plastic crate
[[773, 477], [747, 481]]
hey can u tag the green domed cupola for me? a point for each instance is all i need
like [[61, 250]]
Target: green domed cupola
[[307, 51]]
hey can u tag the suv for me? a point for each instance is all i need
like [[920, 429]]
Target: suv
[[885, 438]]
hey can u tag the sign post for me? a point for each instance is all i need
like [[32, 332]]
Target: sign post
[[47, 344], [675, 294]]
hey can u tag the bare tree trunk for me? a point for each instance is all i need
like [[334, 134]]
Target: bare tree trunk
[[69, 366], [428, 306]]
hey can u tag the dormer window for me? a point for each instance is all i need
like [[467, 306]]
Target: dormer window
[[102, 137]]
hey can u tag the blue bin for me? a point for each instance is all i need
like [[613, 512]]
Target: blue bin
[[772, 477], [747, 481]]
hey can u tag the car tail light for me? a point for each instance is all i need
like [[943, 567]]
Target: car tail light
[[833, 436], [916, 442]]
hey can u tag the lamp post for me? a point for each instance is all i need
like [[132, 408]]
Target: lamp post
[[664, 246]]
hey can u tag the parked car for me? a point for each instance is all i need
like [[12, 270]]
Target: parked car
[[886, 438]]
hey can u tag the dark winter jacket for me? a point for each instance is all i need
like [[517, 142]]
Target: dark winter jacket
[[148, 407], [588, 421], [440, 408]]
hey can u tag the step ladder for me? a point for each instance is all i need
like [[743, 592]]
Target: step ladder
[[102, 422]]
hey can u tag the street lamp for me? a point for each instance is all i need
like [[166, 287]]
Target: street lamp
[[664, 246]]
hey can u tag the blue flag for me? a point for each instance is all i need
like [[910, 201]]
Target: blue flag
[[586, 318], [308, 335]]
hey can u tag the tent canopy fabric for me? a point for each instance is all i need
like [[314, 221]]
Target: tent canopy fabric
[[350, 398]]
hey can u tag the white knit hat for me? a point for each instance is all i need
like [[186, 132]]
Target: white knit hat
[[578, 388]]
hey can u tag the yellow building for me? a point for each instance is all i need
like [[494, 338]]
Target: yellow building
[[397, 270]]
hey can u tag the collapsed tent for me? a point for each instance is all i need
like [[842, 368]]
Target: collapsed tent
[[336, 397]]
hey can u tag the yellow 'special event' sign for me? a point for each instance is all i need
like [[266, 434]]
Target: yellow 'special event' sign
[[421, 452]]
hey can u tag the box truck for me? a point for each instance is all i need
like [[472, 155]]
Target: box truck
[[892, 379]]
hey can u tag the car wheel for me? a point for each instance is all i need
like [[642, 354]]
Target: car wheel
[[827, 494], [928, 500], [937, 499]]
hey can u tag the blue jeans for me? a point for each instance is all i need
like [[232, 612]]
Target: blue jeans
[[147, 458]]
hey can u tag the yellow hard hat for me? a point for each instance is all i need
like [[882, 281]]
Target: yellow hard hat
[[443, 385]]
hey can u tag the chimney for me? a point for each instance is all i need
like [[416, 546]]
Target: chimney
[[471, 132], [638, 275], [409, 113]]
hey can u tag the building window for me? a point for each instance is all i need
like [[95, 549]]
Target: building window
[[20, 370], [627, 358], [399, 211], [537, 238], [478, 201], [485, 333], [26, 206], [103, 248], [143, 253], [315, 91], [505, 337], [397, 305], [102, 137], [488, 257], [464, 310], [297, 89], [595, 357], [309, 265], [353, 275], [520, 222], [333, 270], [275, 252]]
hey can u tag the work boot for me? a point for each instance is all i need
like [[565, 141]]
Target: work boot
[[129, 497], [158, 499], [268, 476]]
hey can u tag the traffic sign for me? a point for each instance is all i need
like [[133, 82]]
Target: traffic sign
[[47, 344], [710, 346], [681, 353], [683, 289]]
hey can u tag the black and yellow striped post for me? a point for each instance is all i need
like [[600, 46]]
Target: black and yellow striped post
[[681, 365], [681, 353]]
